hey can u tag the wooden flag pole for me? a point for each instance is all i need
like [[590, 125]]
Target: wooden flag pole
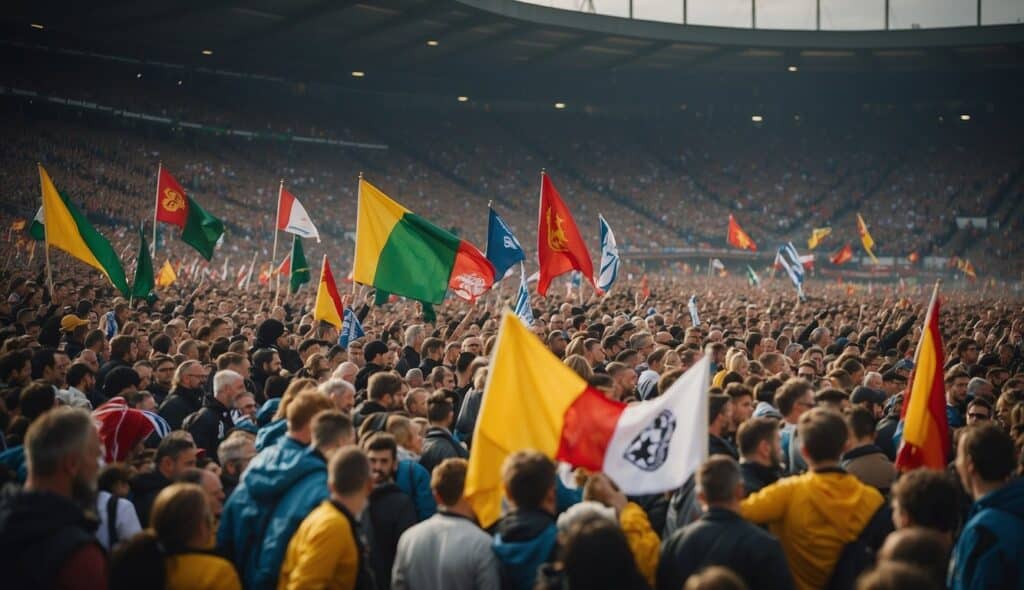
[[359, 197], [277, 213]]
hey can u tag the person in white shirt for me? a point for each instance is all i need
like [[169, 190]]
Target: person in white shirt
[[118, 520]]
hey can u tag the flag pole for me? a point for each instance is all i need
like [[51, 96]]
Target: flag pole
[[359, 198], [156, 204], [277, 213], [46, 237]]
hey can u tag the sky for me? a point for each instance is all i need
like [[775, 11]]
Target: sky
[[800, 14]]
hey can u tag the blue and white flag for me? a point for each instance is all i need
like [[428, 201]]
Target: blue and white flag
[[694, 316], [351, 329], [522, 308], [789, 259], [609, 257], [503, 249]]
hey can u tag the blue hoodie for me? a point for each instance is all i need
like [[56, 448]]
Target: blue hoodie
[[525, 540], [282, 485], [990, 551], [269, 435], [414, 479]]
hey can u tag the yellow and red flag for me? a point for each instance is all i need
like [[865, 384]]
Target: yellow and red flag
[[167, 275], [865, 238], [739, 238], [843, 256], [817, 235], [560, 247], [925, 428], [328, 302]]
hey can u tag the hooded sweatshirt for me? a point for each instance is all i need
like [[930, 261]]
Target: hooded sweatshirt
[[990, 551], [282, 485], [525, 540], [814, 515]]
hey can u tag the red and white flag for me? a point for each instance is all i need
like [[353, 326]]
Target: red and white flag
[[292, 216]]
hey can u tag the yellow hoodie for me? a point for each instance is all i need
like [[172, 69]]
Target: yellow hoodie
[[814, 515]]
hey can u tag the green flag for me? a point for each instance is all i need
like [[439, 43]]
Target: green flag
[[144, 279], [202, 230], [300, 268], [752, 277], [37, 230]]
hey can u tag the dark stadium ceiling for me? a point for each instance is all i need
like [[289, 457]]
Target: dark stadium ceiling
[[328, 39]]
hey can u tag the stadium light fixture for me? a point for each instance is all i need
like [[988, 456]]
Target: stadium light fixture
[[207, 52], [37, 26], [433, 43], [965, 117], [179, 82], [463, 99], [559, 105], [139, 75], [756, 118], [358, 74], [793, 69]]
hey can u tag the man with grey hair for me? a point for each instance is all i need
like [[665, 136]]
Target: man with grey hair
[[414, 377], [341, 393], [234, 455], [978, 387], [873, 380], [409, 356], [346, 371], [47, 539], [210, 425]]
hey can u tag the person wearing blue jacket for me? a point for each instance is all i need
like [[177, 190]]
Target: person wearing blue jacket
[[269, 435], [526, 537], [413, 479], [990, 551], [282, 485]]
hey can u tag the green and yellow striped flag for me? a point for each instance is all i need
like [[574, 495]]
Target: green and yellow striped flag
[[68, 229]]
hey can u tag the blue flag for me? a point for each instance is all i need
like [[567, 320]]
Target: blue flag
[[351, 329], [789, 259], [694, 316], [609, 257], [503, 249], [523, 309]]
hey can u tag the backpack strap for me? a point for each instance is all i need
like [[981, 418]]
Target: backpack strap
[[112, 521]]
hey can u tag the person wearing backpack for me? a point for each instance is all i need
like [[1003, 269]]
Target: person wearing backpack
[[990, 551], [118, 520]]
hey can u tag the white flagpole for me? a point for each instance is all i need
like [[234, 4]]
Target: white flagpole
[[277, 212], [156, 204]]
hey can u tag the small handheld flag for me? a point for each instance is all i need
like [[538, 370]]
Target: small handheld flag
[[752, 277], [522, 308], [503, 249], [694, 314], [865, 238], [789, 259], [609, 270], [739, 238], [292, 216], [351, 329], [817, 235], [328, 302], [843, 256]]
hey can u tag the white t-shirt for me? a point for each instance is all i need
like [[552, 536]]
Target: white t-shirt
[[127, 523]]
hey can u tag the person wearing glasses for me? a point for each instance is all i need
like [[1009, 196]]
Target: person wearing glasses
[[979, 411], [186, 393]]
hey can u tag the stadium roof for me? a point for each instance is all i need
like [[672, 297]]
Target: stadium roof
[[442, 36]]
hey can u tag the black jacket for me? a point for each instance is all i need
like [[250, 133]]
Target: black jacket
[[105, 370], [159, 392], [719, 446], [365, 409], [209, 425], [408, 359], [363, 376], [722, 537], [290, 359], [427, 367], [757, 476], [438, 445], [390, 512], [466, 422], [884, 432], [179, 404], [145, 487], [39, 532]]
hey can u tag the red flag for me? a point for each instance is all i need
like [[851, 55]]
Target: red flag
[[645, 289], [265, 274], [472, 274], [739, 238], [560, 247], [843, 256], [285, 268], [925, 440], [171, 205]]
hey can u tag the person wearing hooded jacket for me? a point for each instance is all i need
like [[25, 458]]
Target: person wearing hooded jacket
[[186, 395], [271, 334], [817, 514], [390, 511], [281, 486], [526, 537]]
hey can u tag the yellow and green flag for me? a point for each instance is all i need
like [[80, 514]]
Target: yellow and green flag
[[402, 253], [67, 229]]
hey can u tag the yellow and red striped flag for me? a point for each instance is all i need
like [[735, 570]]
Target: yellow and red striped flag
[[328, 302], [925, 428]]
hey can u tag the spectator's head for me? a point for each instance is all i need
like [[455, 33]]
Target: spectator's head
[[174, 455], [122, 381], [266, 361], [925, 498], [979, 411], [374, 352], [383, 388], [350, 478], [227, 385], [123, 348], [985, 458], [416, 402], [720, 412], [758, 440], [925, 548], [332, 430], [346, 371], [439, 410], [719, 482], [715, 577], [795, 397], [447, 482], [382, 451], [35, 400], [896, 576], [300, 414], [211, 485], [595, 554], [62, 451], [16, 367], [341, 393], [823, 436], [529, 481], [51, 366], [861, 423], [235, 452], [190, 375]]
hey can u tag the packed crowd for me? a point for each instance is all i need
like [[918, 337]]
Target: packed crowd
[[213, 439]]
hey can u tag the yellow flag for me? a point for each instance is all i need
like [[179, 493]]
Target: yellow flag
[[528, 392], [166, 276], [865, 238], [817, 235]]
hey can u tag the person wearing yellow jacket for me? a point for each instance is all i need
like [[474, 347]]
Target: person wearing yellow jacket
[[815, 515], [327, 551], [644, 543]]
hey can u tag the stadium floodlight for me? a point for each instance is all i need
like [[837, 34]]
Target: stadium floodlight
[[756, 118], [358, 74], [139, 75], [179, 82], [37, 26], [793, 69], [965, 117], [207, 52], [463, 99], [433, 43], [559, 105]]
